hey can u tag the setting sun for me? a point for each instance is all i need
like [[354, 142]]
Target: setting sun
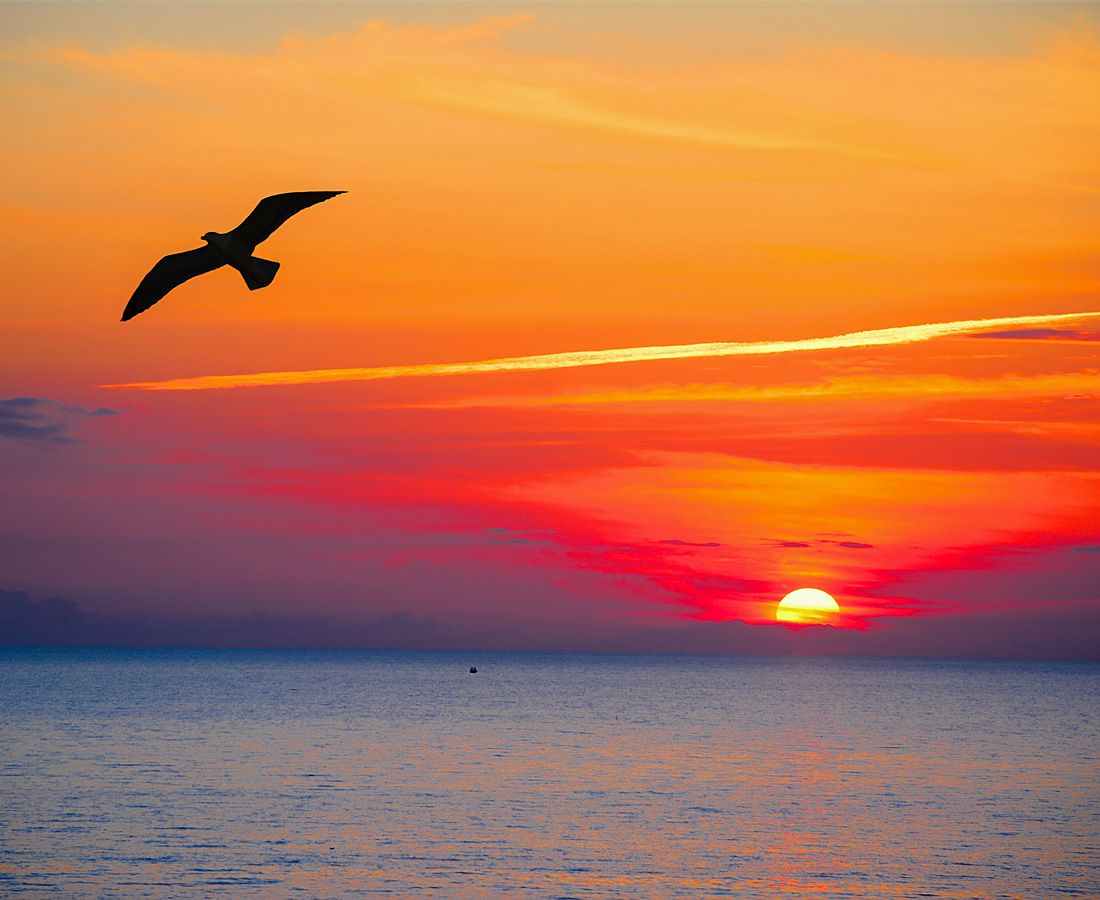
[[807, 606]]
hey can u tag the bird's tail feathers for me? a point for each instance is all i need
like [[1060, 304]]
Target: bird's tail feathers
[[259, 273]]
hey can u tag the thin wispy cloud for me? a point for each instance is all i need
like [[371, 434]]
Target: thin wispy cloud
[[550, 104], [1044, 334], [880, 337], [921, 387]]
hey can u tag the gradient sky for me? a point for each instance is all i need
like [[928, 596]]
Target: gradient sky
[[531, 180]]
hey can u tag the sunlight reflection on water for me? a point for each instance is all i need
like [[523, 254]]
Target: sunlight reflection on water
[[283, 773]]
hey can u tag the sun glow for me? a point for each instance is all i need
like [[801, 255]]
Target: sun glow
[[807, 606]]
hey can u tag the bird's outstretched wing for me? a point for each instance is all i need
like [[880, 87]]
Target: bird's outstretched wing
[[272, 211], [170, 272]]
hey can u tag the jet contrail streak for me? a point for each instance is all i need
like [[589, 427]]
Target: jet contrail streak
[[904, 334]]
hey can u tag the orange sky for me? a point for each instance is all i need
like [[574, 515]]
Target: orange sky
[[527, 180]]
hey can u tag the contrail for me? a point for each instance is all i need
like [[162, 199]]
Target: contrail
[[880, 337]]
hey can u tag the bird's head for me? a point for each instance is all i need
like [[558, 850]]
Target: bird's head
[[208, 236]]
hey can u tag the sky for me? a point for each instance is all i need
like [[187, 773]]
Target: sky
[[633, 319]]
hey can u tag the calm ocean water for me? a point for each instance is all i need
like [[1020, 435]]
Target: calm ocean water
[[331, 774]]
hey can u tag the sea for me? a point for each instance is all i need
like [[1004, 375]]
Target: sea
[[295, 773]]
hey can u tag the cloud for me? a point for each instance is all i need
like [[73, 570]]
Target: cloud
[[919, 388], [463, 69], [23, 620], [1019, 634], [558, 105], [678, 543], [879, 337], [1043, 334], [1035, 577], [528, 537], [42, 422], [55, 621], [851, 545]]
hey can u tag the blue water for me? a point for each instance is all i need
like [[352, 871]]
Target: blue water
[[329, 774]]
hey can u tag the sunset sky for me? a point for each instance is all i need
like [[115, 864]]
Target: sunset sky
[[617, 337]]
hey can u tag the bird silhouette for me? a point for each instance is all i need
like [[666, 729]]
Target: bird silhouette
[[234, 248]]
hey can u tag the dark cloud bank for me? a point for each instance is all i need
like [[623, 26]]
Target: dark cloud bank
[[1031, 634], [42, 422], [55, 621]]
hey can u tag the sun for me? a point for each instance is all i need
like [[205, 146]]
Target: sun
[[807, 606]]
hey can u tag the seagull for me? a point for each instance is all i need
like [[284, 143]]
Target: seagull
[[234, 248]]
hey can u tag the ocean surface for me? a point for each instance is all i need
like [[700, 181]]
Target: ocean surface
[[173, 773]]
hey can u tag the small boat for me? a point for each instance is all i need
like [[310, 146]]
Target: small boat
[[473, 670]]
